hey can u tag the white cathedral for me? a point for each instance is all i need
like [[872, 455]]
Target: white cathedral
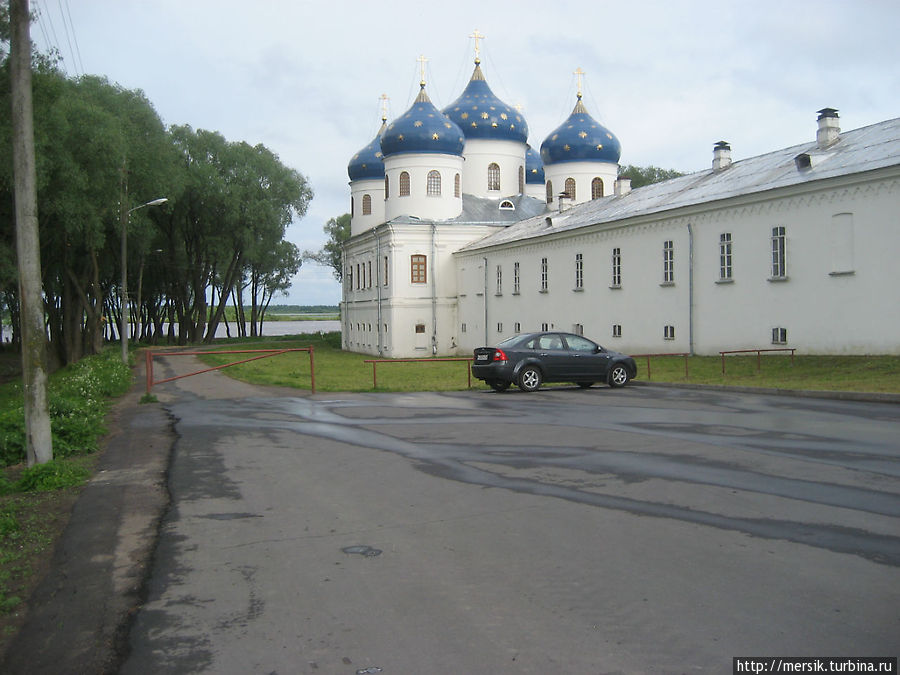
[[462, 235]]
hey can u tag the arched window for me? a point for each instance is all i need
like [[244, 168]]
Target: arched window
[[352, 202], [434, 184], [457, 186], [507, 205], [549, 192], [387, 192], [493, 176], [596, 188], [404, 184], [570, 188], [521, 180], [367, 205]]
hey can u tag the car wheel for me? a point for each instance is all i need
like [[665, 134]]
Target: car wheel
[[618, 376], [529, 379], [499, 385], [585, 385]]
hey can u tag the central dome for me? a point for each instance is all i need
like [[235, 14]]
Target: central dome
[[422, 129], [480, 114]]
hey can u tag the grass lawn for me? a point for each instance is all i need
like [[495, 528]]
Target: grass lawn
[[336, 370]]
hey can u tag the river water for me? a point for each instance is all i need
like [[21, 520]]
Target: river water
[[270, 328]]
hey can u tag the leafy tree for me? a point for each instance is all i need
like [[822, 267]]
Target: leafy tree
[[338, 231], [646, 175]]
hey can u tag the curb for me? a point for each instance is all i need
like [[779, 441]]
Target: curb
[[863, 397]]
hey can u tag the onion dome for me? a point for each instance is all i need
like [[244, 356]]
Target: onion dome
[[581, 138], [534, 167], [422, 129], [482, 115], [367, 163]]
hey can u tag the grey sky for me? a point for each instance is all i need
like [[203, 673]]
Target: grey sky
[[669, 78]]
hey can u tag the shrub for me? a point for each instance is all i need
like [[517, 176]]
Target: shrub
[[53, 475]]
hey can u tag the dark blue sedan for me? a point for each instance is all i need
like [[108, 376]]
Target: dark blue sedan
[[530, 359]]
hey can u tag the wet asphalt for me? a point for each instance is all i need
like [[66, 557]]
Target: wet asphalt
[[647, 529]]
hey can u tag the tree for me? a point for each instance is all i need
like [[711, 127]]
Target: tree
[[338, 231], [641, 176]]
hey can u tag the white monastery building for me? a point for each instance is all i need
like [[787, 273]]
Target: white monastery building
[[463, 235]]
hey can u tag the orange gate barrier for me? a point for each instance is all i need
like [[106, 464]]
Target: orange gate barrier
[[266, 353], [375, 363]]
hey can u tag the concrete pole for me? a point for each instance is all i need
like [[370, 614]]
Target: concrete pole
[[38, 441]]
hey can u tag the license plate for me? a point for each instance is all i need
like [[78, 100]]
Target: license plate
[[481, 357]]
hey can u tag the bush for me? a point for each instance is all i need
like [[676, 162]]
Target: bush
[[53, 475], [78, 399]]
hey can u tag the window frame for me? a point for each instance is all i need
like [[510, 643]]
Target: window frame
[[726, 256], [545, 276], [493, 177], [433, 183], [404, 184], [616, 268], [596, 188], [779, 252], [367, 204], [418, 268], [668, 262], [516, 278], [570, 188], [579, 272]]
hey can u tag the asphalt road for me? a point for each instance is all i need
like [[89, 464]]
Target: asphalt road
[[647, 529]]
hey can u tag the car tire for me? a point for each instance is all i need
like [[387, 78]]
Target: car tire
[[618, 376], [499, 385], [585, 385], [529, 379]]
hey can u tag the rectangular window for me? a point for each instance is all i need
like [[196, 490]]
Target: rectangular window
[[725, 244], [350, 277], [668, 332], [420, 328], [369, 264], [515, 278], [579, 271], [617, 330], [517, 327], [779, 257], [499, 327], [543, 275], [357, 276], [779, 336], [385, 271], [578, 329], [545, 326], [499, 280], [668, 262], [462, 328], [616, 268], [418, 273]]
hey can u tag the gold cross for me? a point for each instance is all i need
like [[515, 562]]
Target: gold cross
[[579, 73], [422, 61], [384, 102], [477, 36]]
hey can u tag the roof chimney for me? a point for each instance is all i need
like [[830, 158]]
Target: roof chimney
[[623, 186], [565, 201], [829, 127], [721, 156]]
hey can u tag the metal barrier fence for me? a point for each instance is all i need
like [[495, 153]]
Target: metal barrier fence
[[375, 363], [266, 353], [758, 353], [647, 356]]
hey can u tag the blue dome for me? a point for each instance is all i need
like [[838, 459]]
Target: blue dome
[[367, 163], [580, 138], [423, 129], [480, 114], [534, 167]]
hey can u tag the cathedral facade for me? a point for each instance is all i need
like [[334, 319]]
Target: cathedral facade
[[462, 235]]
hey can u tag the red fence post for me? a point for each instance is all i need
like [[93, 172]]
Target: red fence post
[[312, 371], [149, 370]]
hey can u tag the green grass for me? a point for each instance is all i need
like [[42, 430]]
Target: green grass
[[344, 371], [878, 374]]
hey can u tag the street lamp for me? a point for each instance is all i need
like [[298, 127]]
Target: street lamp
[[123, 327]]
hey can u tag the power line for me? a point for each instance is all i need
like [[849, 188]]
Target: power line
[[70, 27]]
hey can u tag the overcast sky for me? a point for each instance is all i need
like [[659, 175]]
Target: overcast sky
[[668, 77]]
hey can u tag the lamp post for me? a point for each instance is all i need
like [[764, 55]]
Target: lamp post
[[123, 327]]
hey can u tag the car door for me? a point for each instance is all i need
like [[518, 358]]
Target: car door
[[587, 361], [551, 351]]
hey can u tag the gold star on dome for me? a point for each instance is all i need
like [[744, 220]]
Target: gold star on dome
[[494, 124], [378, 154], [566, 147], [465, 116], [555, 136], [434, 136], [400, 137], [582, 134], [503, 116], [599, 146], [474, 125], [417, 123], [447, 124], [484, 115]]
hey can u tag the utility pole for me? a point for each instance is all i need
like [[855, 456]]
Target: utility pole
[[38, 441]]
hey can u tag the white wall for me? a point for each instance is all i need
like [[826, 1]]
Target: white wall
[[418, 203], [479, 153]]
